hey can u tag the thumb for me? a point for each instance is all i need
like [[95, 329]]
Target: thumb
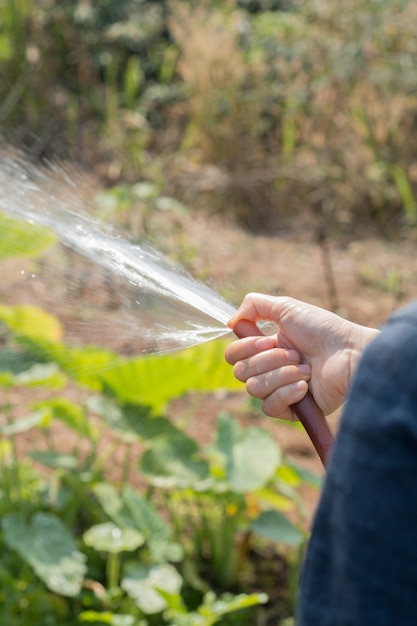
[[257, 306], [246, 328]]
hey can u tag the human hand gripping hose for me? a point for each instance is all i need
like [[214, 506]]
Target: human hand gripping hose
[[307, 410]]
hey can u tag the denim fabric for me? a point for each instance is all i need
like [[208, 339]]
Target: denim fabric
[[361, 562]]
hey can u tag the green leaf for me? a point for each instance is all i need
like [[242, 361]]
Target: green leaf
[[175, 461], [16, 362], [45, 543], [153, 526], [251, 455], [107, 617], [131, 510], [113, 506], [41, 375], [154, 380], [142, 583], [108, 537], [19, 238], [55, 460], [37, 419], [228, 603], [132, 423], [274, 526], [31, 322], [71, 414]]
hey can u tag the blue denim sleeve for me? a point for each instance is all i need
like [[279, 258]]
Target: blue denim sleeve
[[361, 563]]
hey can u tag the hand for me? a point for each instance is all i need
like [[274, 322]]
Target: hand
[[313, 348]]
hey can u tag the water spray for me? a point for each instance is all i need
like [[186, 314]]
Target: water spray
[[174, 309]]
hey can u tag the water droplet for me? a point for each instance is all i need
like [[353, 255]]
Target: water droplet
[[116, 533]]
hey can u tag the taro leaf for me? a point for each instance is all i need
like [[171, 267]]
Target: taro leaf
[[273, 525], [149, 381], [132, 422], [18, 238], [217, 607], [113, 506], [154, 527], [73, 415], [46, 544], [251, 455], [107, 617], [143, 582], [174, 461], [36, 419], [154, 380], [55, 460], [38, 375], [16, 362], [31, 322], [108, 537], [131, 510]]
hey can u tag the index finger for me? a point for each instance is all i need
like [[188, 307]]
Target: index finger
[[256, 307]]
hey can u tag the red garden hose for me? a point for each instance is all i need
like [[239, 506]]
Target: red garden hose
[[307, 411]]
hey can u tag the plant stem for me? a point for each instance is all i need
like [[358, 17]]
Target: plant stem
[[113, 570]]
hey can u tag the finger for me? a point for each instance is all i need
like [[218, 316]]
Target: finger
[[265, 363], [263, 385], [257, 307], [247, 347], [278, 403]]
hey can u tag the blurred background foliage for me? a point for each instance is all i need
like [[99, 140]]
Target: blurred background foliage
[[264, 109]]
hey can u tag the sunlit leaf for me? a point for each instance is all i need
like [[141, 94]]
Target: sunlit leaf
[[251, 455], [175, 460], [131, 422], [153, 526], [143, 582], [201, 368], [46, 544], [107, 617], [31, 322], [113, 505], [55, 460], [71, 414], [228, 603], [274, 526], [108, 537], [16, 362], [19, 238], [36, 419], [41, 375]]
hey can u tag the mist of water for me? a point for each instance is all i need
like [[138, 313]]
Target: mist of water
[[125, 293]]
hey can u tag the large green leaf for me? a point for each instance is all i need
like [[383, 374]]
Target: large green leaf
[[142, 583], [175, 461], [132, 510], [19, 238], [251, 455], [31, 322], [273, 525], [108, 537], [131, 422], [73, 415], [47, 545], [37, 419], [153, 526], [154, 380]]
